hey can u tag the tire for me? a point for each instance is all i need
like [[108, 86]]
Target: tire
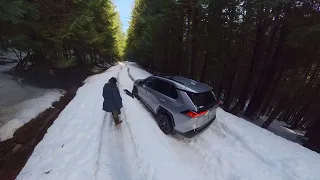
[[164, 123], [135, 92]]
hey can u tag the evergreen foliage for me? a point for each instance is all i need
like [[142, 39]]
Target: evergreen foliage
[[260, 56], [62, 34]]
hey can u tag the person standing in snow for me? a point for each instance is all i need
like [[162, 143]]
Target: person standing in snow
[[112, 100]]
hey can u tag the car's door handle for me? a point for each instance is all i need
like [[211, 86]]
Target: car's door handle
[[162, 100]]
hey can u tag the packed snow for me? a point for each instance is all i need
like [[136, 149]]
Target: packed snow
[[83, 143], [280, 128], [19, 102]]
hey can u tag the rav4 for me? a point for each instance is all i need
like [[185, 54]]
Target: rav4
[[180, 104]]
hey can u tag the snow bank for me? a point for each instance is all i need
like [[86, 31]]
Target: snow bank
[[7, 67], [280, 128], [13, 91], [19, 114], [19, 103], [274, 156], [8, 129]]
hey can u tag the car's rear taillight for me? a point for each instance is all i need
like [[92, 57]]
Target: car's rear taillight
[[195, 114]]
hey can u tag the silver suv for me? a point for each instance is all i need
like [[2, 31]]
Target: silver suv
[[180, 104]]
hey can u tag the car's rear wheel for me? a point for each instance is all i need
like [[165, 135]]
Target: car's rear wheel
[[135, 92], [164, 122]]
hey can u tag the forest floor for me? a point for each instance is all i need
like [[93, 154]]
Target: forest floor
[[83, 143]]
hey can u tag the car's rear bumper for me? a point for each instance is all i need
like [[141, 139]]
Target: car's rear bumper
[[197, 131]]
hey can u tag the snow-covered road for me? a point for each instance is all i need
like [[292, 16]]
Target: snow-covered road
[[83, 143]]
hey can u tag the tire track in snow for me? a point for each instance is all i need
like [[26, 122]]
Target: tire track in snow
[[182, 153], [118, 157], [99, 150], [184, 148], [200, 151], [140, 173], [187, 150], [113, 163], [192, 152], [215, 143], [105, 118], [124, 112], [112, 157]]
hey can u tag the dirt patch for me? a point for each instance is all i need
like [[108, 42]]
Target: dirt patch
[[15, 152]]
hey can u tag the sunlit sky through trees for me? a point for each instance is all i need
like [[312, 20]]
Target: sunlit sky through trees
[[124, 7]]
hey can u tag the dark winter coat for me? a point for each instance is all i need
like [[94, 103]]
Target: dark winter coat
[[112, 99]]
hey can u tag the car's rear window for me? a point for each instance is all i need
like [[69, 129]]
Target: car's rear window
[[203, 100]]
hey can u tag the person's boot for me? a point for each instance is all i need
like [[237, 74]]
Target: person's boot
[[118, 122]]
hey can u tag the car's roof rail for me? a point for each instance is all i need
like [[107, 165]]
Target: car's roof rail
[[172, 79]]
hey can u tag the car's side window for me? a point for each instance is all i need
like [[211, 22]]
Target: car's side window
[[149, 82], [165, 88], [161, 86], [173, 92]]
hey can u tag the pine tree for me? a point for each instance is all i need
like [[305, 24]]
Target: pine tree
[[259, 56], [62, 34]]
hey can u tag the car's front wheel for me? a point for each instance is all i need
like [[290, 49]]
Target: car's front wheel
[[164, 122]]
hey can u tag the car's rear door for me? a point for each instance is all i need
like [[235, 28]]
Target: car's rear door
[[155, 93], [162, 93]]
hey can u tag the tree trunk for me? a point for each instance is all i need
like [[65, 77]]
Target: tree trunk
[[313, 133], [165, 67], [179, 67], [269, 54], [260, 33], [267, 75], [303, 89], [227, 46], [270, 95], [78, 55], [19, 57], [227, 100], [308, 103], [193, 37], [189, 37], [204, 66], [270, 119]]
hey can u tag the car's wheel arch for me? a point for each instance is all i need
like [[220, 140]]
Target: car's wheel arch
[[135, 87], [135, 91], [160, 109]]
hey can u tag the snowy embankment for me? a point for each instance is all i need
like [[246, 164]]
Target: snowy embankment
[[19, 103], [84, 144]]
